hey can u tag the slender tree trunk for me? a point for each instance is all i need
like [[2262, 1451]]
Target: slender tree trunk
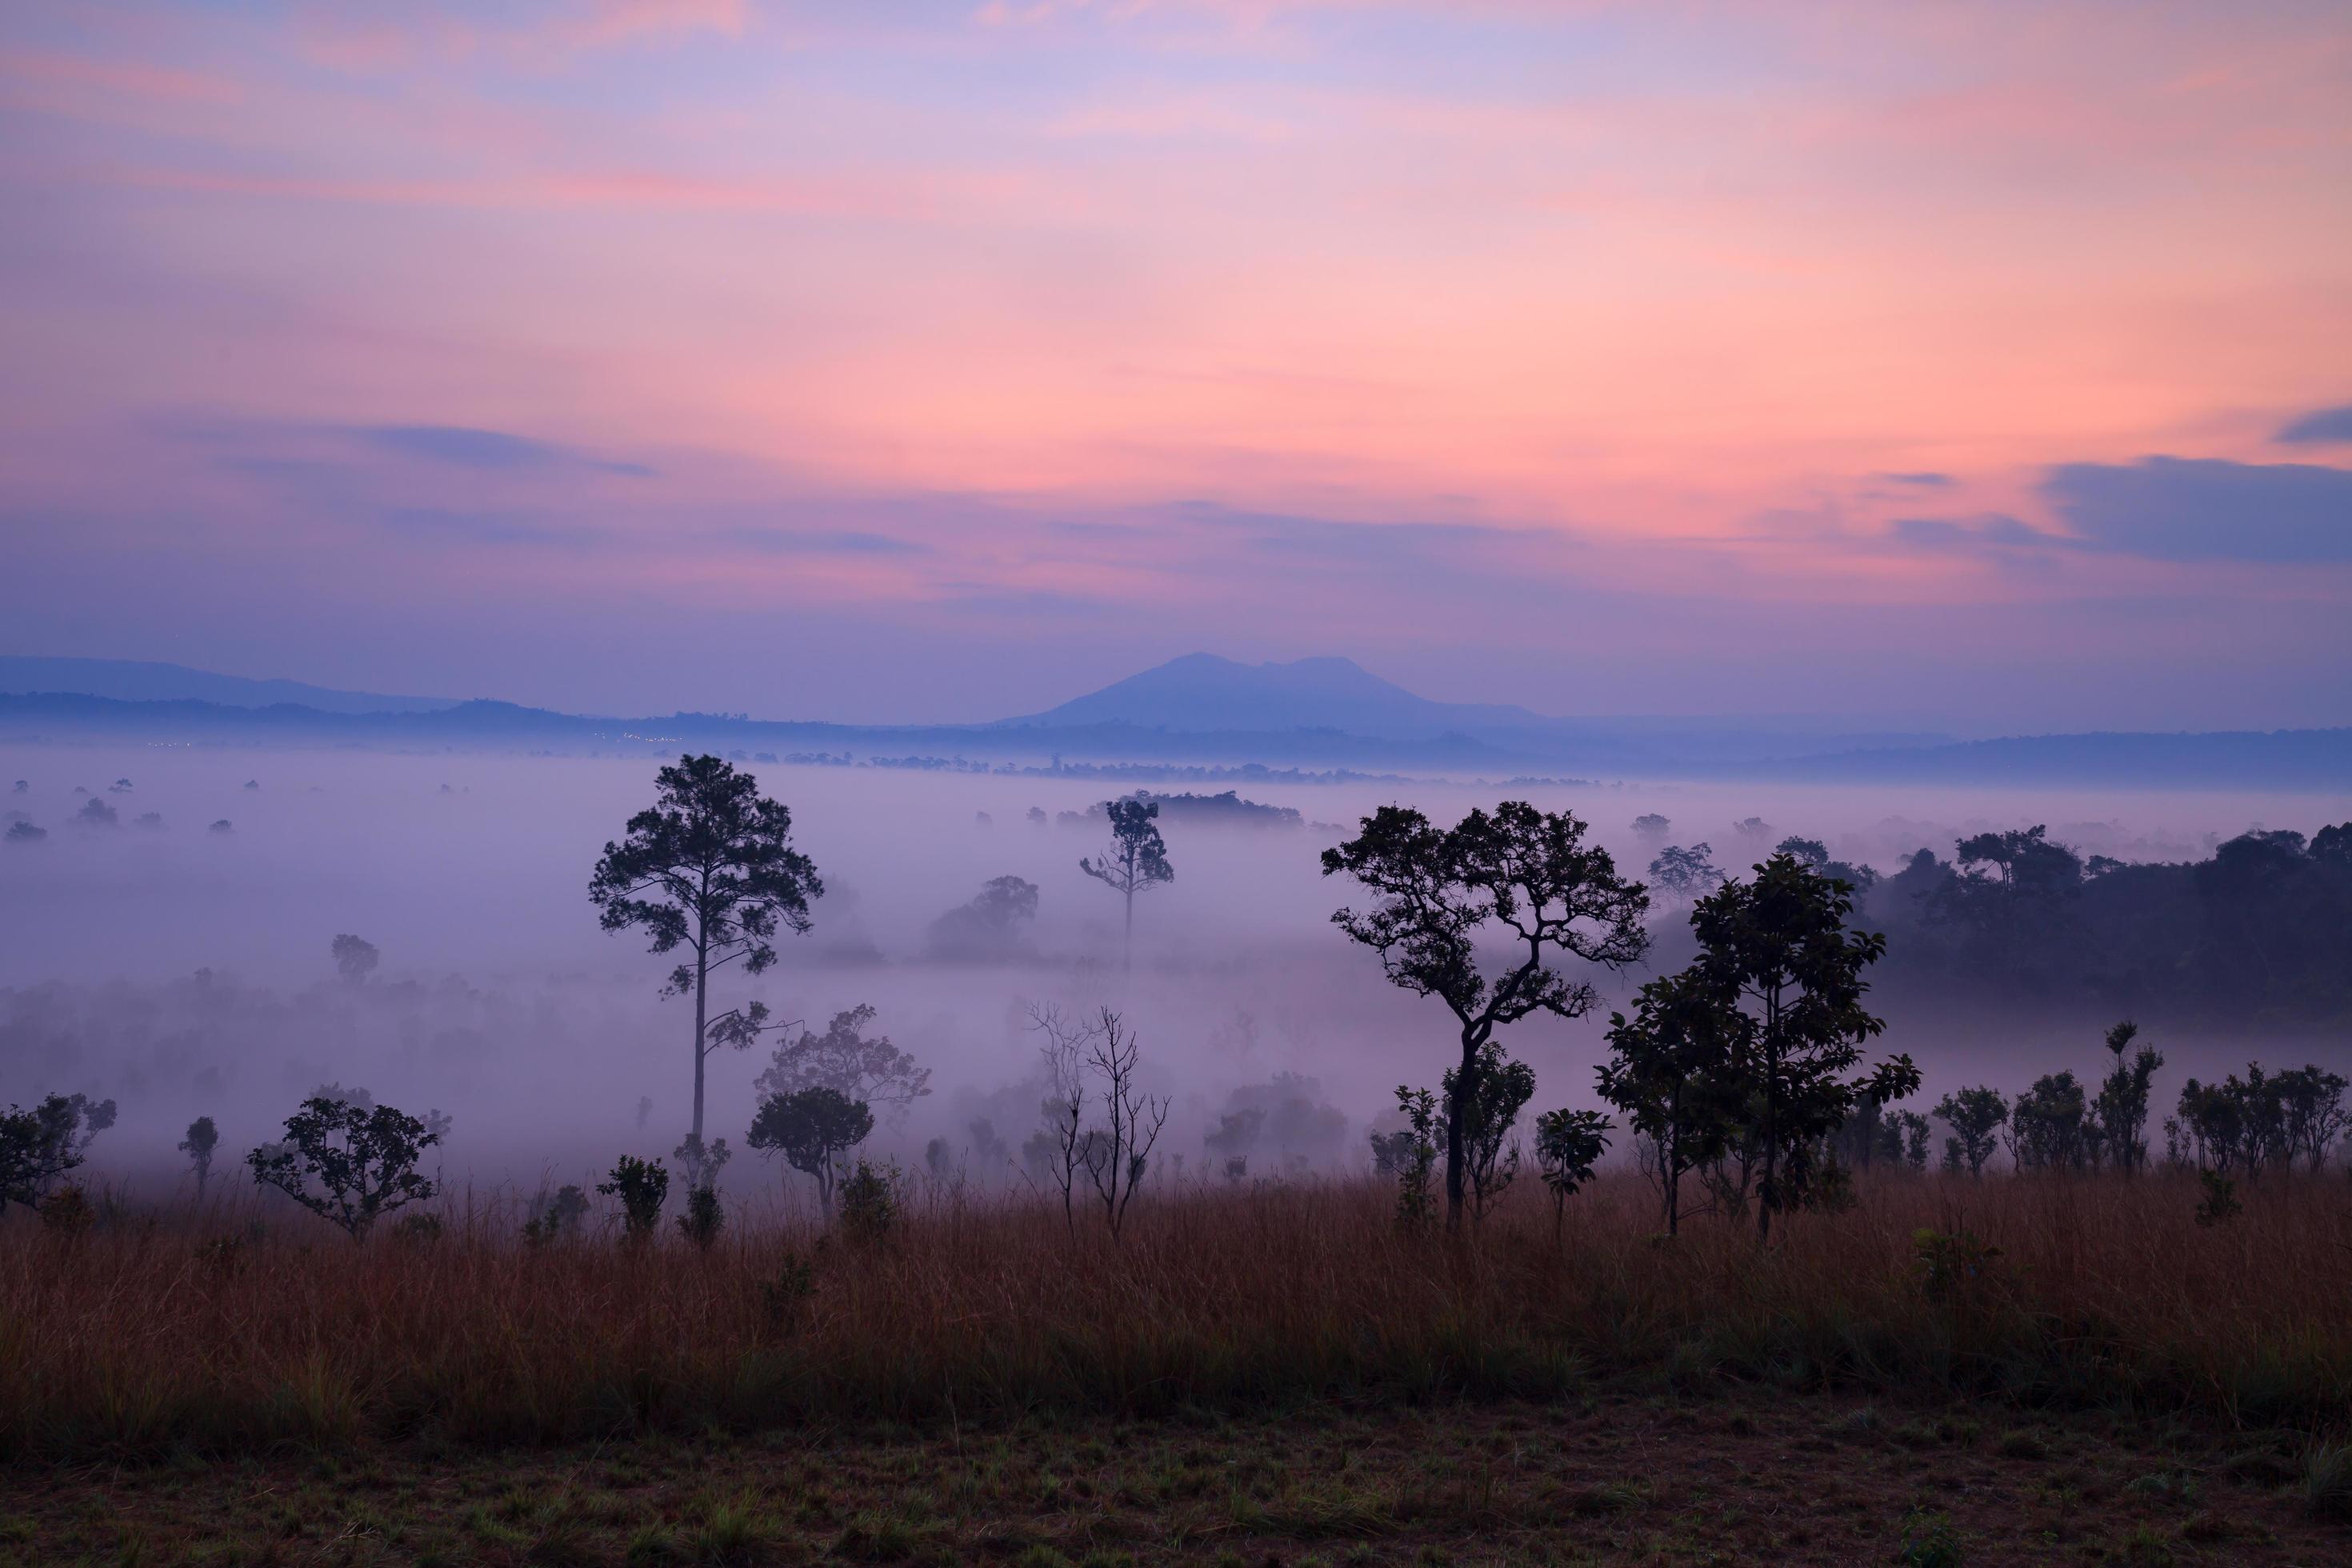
[[701, 1006], [1770, 1195], [1465, 1088], [1670, 1158], [1127, 954]]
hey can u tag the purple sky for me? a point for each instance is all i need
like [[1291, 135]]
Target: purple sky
[[1985, 365]]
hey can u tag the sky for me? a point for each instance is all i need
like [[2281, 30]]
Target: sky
[[1984, 366]]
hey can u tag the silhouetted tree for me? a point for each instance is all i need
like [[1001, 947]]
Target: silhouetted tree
[[1810, 852], [2010, 895], [871, 1071], [2313, 1114], [1686, 873], [198, 1146], [96, 813], [1118, 1151], [355, 958], [1650, 825], [40, 1145], [810, 1129], [1568, 1144], [643, 1186], [2048, 1127], [1777, 951], [709, 867], [1136, 860], [700, 1162], [349, 1166], [1524, 876], [1670, 1071], [2121, 1108], [1976, 1117]]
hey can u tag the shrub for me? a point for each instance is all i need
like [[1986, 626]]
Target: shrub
[[2327, 1481], [66, 1213], [643, 1186], [555, 1218], [870, 1200], [704, 1217], [2220, 1202], [1929, 1542]]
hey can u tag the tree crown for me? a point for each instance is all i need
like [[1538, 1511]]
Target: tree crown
[[1523, 874], [709, 865]]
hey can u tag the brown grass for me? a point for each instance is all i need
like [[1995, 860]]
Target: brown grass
[[181, 1330]]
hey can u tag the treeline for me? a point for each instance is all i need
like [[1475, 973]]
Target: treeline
[[2256, 937]]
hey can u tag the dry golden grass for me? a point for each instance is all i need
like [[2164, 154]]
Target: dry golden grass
[[149, 1333]]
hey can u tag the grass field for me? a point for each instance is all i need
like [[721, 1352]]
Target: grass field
[[1266, 1374], [1735, 1477]]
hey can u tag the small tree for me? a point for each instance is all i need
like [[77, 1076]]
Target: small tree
[[1136, 862], [1686, 873], [704, 1217], [1905, 1131], [1118, 1151], [1504, 1089], [40, 1145], [845, 1059], [1057, 1150], [198, 1146], [1523, 877], [1670, 1072], [2315, 1117], [2121, 1108], [1779, 956], [2048, 1127], [355, 958], [990, 927], [812, 1129], [1410, 1154], [643, 1186], [349, 1166], [1567, 1144], [1976, 1117], [709, 866], [700, 1162], [557, 1216]]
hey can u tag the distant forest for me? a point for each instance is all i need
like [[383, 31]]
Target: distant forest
[[2259, 936]]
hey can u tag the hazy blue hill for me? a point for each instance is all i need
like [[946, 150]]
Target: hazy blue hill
[[1200, 709], [132, 680], [1202, 692]]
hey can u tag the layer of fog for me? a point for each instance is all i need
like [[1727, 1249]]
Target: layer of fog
[[499, 1000]]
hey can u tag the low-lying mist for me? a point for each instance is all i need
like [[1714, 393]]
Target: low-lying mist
[[170, 950]]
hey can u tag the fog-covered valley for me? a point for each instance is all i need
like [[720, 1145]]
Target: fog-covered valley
[[183, 968]]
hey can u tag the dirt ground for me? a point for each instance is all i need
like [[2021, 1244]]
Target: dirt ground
[[1722, 1479]]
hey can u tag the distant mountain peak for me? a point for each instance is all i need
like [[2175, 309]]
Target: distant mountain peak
[[1208, 693]]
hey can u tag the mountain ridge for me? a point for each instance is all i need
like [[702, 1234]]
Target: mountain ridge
[[1295, 714], [147, 680]]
